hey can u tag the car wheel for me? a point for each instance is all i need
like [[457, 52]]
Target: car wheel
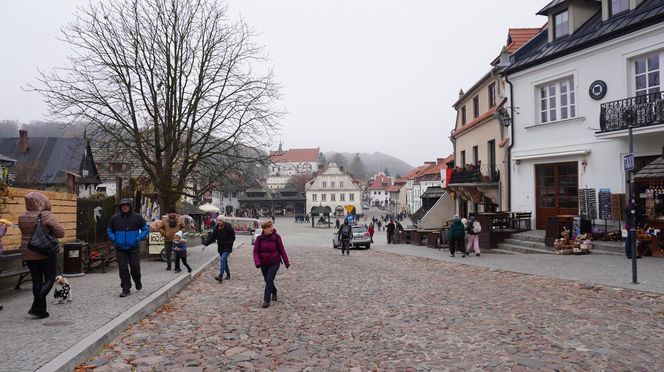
[[367, 246]]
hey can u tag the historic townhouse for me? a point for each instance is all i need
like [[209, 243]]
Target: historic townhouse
[[334, 188], [479, 181], [286, 164], [377, 189], [594, 71]]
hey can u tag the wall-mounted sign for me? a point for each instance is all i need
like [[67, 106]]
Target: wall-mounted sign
[[597, 89]]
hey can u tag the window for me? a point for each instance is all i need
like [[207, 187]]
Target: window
[[314, 197], [323, 197], [492, 94], [475, 155], [324, 184], [463, 115], [332, 184], [117, 167], [333, 197], [85, 172], [646, 75], [341, 184], [234, 194], [351, 197], [618, 6], [476, 106], [557, 101], [342, 197], [463, 158], [561, 24]]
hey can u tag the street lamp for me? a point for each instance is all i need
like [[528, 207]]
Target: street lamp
[[629, 165]]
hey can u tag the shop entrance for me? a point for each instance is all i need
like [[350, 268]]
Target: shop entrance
[[556, 190]]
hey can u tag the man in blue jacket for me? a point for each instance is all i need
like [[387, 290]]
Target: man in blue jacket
[[126, 229]]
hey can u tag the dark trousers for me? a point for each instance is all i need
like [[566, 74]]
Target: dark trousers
[[168, 249], [128, 260], [43, 278], [390, 237], [456, 244], [345, 246], [181, 256], [269, 273]]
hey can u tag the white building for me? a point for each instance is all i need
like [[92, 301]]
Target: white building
[[378, 190], [286, 164], [578, 85], [334, 188]]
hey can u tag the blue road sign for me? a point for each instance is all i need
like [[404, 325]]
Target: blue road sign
[[628, 162]]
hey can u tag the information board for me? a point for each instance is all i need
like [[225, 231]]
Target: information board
[[155, 243], [605, 204]]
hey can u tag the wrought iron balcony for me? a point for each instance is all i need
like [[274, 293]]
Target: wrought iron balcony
[[475, 174], [639, 111]]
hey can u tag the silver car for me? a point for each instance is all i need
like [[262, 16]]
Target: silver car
[[361, 237], [255, 235]]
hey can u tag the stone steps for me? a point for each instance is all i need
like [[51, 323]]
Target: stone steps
[[533, 242], [518, 248]]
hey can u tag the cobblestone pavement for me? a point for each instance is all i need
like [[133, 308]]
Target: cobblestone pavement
[[375, 310], [27, 343]]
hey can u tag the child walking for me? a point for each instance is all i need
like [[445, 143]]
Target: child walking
[[180, 249]]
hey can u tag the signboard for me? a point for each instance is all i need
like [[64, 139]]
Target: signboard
[[155, 243], [628, 162], [605, 212]]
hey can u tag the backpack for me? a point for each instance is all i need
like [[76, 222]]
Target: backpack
[[477, 228], [345, 232]]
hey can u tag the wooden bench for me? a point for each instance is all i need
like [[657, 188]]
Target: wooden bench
[[520, 217], [23, 271], [104, 253]]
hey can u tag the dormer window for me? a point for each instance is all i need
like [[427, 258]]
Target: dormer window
[[618, 6], [463, 115], [476, 106], [561, 24]]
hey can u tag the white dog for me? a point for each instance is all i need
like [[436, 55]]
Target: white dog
[[62, 295]]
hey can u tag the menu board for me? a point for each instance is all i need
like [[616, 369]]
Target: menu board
[[605, 204]]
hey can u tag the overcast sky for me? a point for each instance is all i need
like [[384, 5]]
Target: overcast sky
[[357, 75]]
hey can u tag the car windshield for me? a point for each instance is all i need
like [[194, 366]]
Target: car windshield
[[359, 229]]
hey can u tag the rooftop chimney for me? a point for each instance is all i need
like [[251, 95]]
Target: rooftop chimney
[[23, 141], [429, 163]]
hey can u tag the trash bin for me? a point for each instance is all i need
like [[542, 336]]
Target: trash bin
[[72, 260]]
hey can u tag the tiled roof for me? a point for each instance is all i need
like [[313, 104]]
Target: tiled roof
[[294, 156], [394, 188], [518, 37], [653, 170], [413, 173], [592, 33]]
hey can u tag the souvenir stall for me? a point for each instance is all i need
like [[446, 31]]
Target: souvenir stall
[[649, 186]]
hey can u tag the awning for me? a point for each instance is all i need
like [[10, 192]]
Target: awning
[[551, 154]]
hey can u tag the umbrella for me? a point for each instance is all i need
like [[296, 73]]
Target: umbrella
[[208, 207]]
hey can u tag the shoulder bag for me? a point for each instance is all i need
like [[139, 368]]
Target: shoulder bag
[[42, 241]]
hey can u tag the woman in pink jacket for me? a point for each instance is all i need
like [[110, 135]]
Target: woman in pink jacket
[[269, 252]]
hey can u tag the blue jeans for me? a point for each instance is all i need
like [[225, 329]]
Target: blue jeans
[[223, 266]]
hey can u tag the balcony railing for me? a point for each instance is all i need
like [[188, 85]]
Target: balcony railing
[[475, 174], [639, 111]]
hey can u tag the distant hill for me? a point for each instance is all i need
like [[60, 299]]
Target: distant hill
[[374, 163]]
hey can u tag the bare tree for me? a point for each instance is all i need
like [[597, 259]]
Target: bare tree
[[171, 83], [300, 180]]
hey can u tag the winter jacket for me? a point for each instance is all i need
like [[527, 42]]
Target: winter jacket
[[126, 230], [473, 227], [391, 227], [456, 230], [180, 247], [224, 235], [269, 250], [35, 203], [169, 232]]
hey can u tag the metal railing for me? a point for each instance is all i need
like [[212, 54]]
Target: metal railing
[[639, 111], [471, 173]]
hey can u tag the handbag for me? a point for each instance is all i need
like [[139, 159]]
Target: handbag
[[43, 242]]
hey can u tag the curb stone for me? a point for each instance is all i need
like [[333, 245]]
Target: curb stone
[[90, 345]]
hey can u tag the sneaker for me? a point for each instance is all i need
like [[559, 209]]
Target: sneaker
[[168, 268], [477, 254], [189, 270], [463, 255], [228, 276], [218, 278], [274, 297], [125, 293], [41, 315], [139, 286], [265, 304]]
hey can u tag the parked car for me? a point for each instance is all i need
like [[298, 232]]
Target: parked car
[[361, 237], [255, 235]]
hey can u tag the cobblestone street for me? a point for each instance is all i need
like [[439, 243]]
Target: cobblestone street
[[382, 311]]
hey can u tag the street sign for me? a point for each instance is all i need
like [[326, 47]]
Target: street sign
[[628, 162]]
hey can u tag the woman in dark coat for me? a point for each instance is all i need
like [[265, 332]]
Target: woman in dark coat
[[42, 268], [455, 235], [269, 252]]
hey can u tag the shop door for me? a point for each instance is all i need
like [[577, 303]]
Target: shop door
[[557, 188]]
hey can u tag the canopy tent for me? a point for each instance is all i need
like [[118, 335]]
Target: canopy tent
[[208, 207]]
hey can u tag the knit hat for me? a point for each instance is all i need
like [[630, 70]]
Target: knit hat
[[179, 234]]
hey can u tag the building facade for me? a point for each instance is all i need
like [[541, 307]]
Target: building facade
[[334, 188]]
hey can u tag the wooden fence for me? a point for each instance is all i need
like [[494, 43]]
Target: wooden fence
[[63, 207]]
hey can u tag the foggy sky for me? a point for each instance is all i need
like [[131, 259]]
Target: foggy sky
[[357, 75]]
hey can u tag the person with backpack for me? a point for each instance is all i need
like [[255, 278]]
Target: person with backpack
[[371, 230], [473, 229], [224, 235], [344, 236], [269, 253], [390, 232], [455, 236]]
